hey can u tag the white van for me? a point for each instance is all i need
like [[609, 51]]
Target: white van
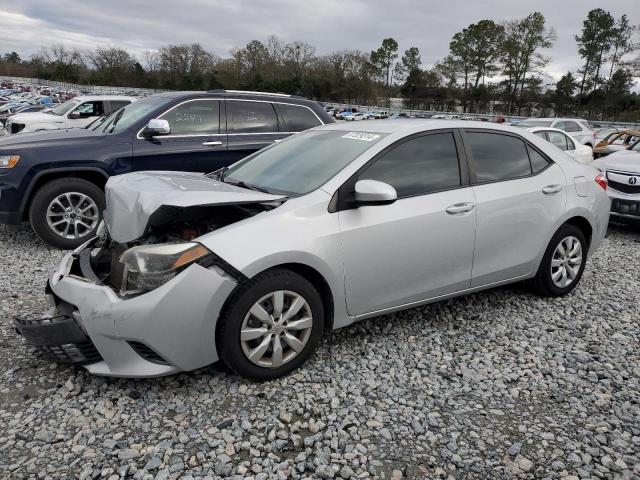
[[75, 113]]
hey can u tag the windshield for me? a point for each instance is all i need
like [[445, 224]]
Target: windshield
[[534, 123], [303, 162], [64, 107], [121, 119]]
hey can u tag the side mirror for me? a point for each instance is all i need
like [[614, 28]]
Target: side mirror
[[156, 127], [373, 192], [74, 115]]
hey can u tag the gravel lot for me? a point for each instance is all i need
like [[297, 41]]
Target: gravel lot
[[500, 384]]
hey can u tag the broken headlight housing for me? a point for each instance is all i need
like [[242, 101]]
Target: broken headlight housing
[[149, 266]]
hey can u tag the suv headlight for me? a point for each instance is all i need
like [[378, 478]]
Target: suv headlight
[[9, 161], [149, 266]]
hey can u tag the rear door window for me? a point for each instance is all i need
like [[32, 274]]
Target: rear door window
[[298, 118], [572, 127], [497, 156], [542, 134], [251, 117], [559, 140], [197, 117]]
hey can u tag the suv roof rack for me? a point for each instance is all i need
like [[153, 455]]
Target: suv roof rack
[[249, 92]]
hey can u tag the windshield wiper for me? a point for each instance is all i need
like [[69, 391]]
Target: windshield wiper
[[248, 186], [218, 174]]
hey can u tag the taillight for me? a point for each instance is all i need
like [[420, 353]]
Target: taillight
[[601, 180]]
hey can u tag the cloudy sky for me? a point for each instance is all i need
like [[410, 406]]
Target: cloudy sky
[[329, 25]]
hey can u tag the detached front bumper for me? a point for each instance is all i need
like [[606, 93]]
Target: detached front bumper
[[167, 330]]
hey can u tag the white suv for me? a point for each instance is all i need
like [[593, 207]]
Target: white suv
[[77, 112], [578, 128]]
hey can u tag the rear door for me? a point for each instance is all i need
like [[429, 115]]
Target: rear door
[[520, 194], [197, 142], [251, 125]]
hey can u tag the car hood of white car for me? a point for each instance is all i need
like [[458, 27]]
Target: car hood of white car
[[36, 117], [133, 198], [625, 160]]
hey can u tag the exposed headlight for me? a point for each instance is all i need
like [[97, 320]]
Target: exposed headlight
[[9, 161], [149, 266]]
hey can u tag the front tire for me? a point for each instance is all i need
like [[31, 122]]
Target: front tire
[[272, 325], [66, 212], [562, 264]]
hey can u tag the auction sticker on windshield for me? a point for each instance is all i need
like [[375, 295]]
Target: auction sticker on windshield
[[367, 137]]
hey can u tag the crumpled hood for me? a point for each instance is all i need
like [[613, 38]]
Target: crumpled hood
[[625, 160], [133, 198], [29, 118]]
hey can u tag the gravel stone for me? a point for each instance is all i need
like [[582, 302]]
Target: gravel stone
[[499, 384]]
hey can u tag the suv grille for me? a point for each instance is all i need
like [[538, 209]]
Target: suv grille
[[625, 187]]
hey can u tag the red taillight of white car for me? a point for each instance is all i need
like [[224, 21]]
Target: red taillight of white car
[[602, 181]]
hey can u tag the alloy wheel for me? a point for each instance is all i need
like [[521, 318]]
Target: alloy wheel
[[72, 215], [566, 262], [276, 329]]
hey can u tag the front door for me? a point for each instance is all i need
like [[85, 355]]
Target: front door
[[520, 194], [421, 246], [197, 142]]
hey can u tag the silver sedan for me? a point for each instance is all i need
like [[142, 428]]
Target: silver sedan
[[252, 264]]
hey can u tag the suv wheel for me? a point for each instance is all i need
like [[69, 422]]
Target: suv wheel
[[563, 263], [271, 326], [66, 212]]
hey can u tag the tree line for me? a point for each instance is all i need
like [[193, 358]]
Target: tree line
[[491, 67]]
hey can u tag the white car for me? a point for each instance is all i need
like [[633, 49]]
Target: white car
[[77, 112], [578, 128], [580, 153], [622, 170], [359, 116]]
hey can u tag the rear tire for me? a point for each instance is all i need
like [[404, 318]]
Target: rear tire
[[66, 212], [274, 341], [559, 273]]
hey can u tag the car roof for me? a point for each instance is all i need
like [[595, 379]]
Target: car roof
[[83, 98], [537, 129], [552, 119], [410, 125], [231, 94]]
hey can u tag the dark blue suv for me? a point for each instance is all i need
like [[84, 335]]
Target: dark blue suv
[[55, 179]]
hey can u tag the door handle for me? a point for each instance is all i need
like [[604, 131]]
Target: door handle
[[211, 144], [460, 208], [551, 189]]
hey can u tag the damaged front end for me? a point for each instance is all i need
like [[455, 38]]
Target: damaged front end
[[143, 297], [153, 217]]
